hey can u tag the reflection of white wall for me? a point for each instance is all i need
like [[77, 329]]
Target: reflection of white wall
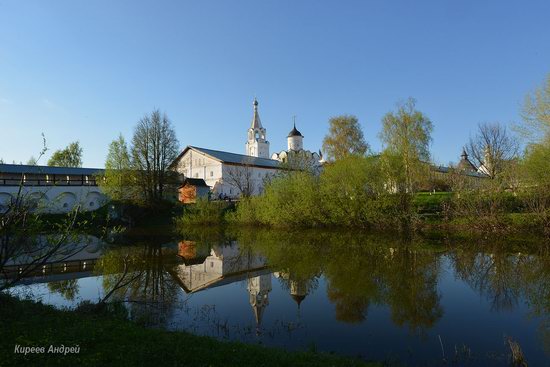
[[223, 260], [55, 199], [5, 200]]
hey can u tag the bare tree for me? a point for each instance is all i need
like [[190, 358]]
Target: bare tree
[[492, 148], [154, 148], [241, 177], [21, 253]]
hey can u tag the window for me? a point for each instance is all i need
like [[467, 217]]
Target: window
[[92, 203], [211, 173], [87, 180], [211, 264], [197, 175]]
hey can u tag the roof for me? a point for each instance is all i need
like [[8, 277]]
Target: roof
[[256, 123], [444, 169], [232, 158], [194, 182], [294, 132], [48, 170], [465, 164]]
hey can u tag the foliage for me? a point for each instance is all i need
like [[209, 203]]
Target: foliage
[[536, 114], [119, 182], [203, 212], [303, 199], [344, 138], [406, 134], [71, 156], [536, 164]]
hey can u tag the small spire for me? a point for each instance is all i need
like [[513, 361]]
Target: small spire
[[256, 123]]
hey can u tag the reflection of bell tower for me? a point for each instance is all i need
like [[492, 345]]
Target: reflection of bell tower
[[298, 291], [258, 289]]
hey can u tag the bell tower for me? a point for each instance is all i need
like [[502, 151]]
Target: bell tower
[[257, 145]]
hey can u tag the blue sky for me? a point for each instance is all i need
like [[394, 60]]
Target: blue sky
[[87, 70]]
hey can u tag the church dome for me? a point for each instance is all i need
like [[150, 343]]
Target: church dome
[[294, 132], [298, 298]]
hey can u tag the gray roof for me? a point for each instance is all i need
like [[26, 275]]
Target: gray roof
[[444, 169], [234, 158], [48, 170]]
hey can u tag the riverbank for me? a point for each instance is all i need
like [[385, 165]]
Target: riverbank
[[103, 339]]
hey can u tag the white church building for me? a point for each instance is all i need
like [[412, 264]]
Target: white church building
[[231, 174]]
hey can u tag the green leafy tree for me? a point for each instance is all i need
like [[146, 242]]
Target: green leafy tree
[[71, 156], [536, 129], [406, 134], [536, 164], [536, 114], [119, 181], [344, 138]]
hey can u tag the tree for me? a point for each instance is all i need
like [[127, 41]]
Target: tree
[[154, 148], [406, 134], [118, 181], [492, 148], [71, 156], [536, 114], [241, 177], [536, 163], [344, 138], [32, 161]]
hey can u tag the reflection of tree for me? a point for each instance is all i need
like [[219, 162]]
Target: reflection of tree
[[412, 289], [505, 278], [360, 270], [67, 288], [349, 307], [152, 293], [493, 275]]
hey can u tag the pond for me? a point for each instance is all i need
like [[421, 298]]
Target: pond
[[415, 302]]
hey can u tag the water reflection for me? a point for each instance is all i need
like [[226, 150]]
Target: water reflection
[[371, 295]]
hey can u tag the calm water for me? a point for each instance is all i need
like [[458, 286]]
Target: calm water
[[410, 302]]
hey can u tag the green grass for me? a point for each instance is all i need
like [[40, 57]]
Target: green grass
[[105, 340]]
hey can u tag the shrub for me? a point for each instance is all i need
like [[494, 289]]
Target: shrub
[[203, 212]]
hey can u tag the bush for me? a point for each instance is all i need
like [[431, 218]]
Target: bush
[[348, 193], [203, 212]]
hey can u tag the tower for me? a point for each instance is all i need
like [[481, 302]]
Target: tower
[[295, 140], [258, 291], [257, 145]]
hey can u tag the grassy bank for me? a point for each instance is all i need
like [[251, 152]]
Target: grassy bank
[[105, 340]]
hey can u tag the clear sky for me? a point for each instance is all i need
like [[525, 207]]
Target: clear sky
[[87, 70]]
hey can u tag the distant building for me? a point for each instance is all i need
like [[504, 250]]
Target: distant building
[[231, 175], [51, 189], [193, 189]]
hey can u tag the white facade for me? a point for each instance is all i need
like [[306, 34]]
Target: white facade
[[54, 199], [228, 173]]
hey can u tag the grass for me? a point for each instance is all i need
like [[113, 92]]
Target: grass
[[106, 340]]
